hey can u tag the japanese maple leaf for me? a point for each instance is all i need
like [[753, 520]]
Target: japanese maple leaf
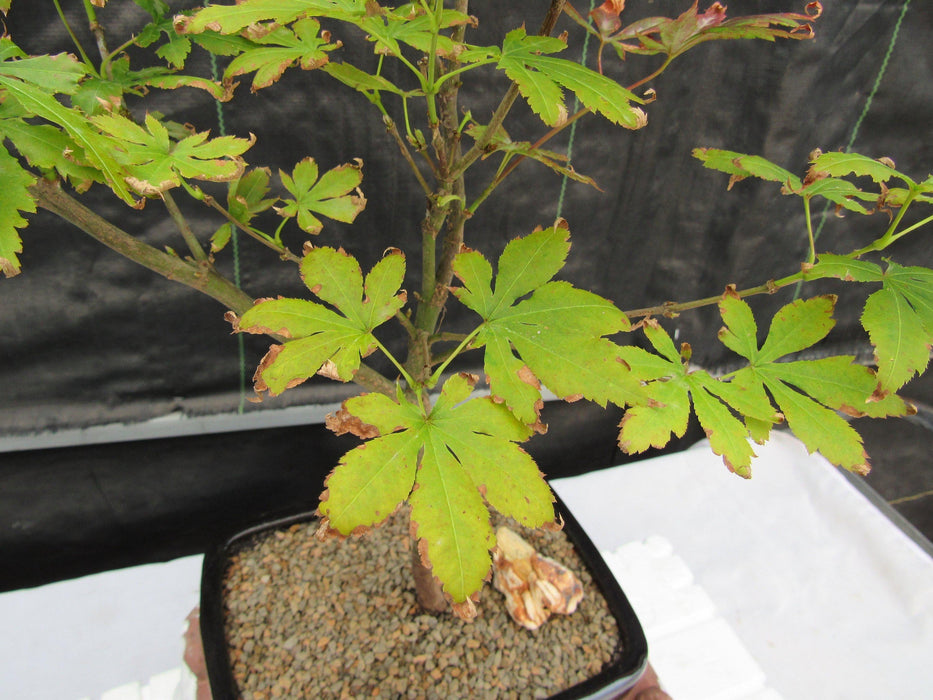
[[334, 195], [556, 335], [448, 462], [153, 162], [809, 393], [318, 334]]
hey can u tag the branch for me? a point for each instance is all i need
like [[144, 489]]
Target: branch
[[550, 20], [393, 130], [193, 245], [670, 309], [199, 276], [284, 252]]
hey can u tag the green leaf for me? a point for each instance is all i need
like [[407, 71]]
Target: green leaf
[[97, 149], [902, 344], [557, 333], [359, 80], [728, 436], [468, 453], [740, 334], [330, 196], [169, 81], [527, 263], [916, 285], [840, 192], [221, 238], [8, 49], [648, 426], [97, 95], [844, 268], [175, 51], [157, 8], [596, 92], [317, 333], [797, 326], [15, 183], [228, 19], [674, 36], [370, 482], [279, 49], [672, 387], [540, 80], [749, 401], [413, 26], [809, 392], [54, 74], [450, 519], [154, 163], [661, 341], [741, 166], [46, 146], [840, 384], [246, 196], [223, 44], [819, 428], [838, 164], [750, 385]]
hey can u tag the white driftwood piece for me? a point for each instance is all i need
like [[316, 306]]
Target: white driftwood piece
[[534, 585]]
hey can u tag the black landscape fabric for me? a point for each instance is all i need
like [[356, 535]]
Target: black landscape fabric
[[89, 338]]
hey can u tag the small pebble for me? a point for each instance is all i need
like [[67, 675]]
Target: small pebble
[[327, 620]]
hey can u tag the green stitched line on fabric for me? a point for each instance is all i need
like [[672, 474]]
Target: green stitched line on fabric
[[235, 245], [573, 127], [861, 117], [871, 97]]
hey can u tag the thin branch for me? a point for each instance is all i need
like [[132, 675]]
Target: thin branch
[[554, 131], [406, 154], [182, 224], [284, 252], [84, 57], [98, 31], [670, 308], [502, 111], [406, 324]]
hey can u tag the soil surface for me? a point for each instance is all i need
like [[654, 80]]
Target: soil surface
[[338, 619]]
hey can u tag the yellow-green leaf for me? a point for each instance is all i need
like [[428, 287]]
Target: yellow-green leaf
[[317, 333], [334, 195], [902, 345], [468, 455], [14, 183], [820, 429]]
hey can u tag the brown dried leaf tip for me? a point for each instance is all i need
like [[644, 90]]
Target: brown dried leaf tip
[[534, 585], [343, 422]]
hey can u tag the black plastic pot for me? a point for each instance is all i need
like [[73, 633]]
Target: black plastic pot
[[626, 666]]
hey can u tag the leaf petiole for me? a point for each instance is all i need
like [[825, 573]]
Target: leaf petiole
[[889, 235], [405, 375], [84, 57], [806, 208], [460, 348], [909, 229]]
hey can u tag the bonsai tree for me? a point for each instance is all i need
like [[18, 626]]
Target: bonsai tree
[[434, 437]]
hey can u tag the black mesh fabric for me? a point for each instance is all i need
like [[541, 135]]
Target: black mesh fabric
[[89, 338]]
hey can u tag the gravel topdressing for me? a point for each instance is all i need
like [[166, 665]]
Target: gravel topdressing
[[338, 619]]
